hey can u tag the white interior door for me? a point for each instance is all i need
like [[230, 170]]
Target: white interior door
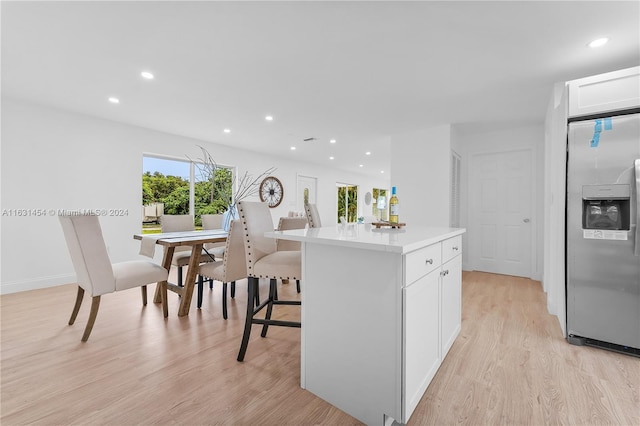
[[500, 212]]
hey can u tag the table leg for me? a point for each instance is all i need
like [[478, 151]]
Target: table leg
[[192, 273], [166, 264]]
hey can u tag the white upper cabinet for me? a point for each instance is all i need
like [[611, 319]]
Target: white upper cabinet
[[613, 91]]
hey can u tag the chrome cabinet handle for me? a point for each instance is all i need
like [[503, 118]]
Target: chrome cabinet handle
[[429, 261], [445, 272], [455, 248], [637, 242]]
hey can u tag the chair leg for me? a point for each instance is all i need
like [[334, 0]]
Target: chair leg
[[253, 282], [224, 300], [298, 286], [179, 276], [272, 296], [164, 299], [95, 304], [257, 293], [200, 287], [144, 295], [233, 289], [76, 307]]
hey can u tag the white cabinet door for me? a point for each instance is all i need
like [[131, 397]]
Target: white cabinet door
[[421, 328], [612, 91], [451, 307]]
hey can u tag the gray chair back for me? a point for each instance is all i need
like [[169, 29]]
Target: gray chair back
[[313, 217], [177, 223], [235, 263], [256, 220], [211, 221], [88, 251], [287, 223]]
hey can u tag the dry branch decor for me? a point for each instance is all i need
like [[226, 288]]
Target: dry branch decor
[[245, 185]]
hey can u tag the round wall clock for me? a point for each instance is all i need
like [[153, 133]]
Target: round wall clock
[[271, 191]]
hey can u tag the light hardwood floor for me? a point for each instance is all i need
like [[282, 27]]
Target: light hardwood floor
[[509, 366]]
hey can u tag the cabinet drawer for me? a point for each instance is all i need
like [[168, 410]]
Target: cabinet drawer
[[420, 262], [451, 248]]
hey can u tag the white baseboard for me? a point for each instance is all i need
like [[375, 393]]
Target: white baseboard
[[44, 282]]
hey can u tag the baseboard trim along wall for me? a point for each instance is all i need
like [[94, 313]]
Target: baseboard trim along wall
[[43, 282]]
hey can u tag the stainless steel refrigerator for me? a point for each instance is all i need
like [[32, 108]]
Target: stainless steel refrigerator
[[603, 237]]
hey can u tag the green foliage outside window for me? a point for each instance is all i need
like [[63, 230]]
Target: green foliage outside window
[[348, 203], [173, 192]]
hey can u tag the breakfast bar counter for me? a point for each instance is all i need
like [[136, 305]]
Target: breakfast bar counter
[[380, 310]]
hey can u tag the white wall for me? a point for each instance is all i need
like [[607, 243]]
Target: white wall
[[554, 200], [54, 159], [469, 141], [420, 169]]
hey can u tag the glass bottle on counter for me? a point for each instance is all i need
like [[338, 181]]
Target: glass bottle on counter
[[394, 207]]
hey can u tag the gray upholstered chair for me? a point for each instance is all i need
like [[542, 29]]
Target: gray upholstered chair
[[264, 261], [313, 217], [181, 255], [95, 272], [232, 268], [287, 223], [213, 221]]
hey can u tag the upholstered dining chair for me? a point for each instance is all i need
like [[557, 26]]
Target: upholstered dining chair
[[95, 272], [181, 255], [213, 221], [313, 217], [287, 223], [264, 261], [231, 269]]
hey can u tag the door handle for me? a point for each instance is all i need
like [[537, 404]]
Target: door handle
[[526, 220], [636, 168]]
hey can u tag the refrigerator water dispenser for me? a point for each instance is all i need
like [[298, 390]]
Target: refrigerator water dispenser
[[606, 207]]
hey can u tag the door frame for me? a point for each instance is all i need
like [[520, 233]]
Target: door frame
[[473, 161], [313, 190]]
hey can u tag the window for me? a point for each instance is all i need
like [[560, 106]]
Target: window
[[176, 186], [347, 202]]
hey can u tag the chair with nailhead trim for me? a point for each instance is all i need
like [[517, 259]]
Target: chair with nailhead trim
[[232, 268], [285, 224], [264, 261], [313, 217]]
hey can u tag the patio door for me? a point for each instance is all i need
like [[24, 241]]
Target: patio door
[[347, 202]]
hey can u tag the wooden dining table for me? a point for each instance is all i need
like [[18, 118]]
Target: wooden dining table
[[195, 240]]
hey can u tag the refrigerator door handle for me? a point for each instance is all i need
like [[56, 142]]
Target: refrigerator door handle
[[637, 178]]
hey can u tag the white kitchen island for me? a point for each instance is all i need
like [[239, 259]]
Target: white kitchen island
[[380, 310]]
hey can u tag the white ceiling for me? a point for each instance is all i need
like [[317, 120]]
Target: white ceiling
[[358, 72]]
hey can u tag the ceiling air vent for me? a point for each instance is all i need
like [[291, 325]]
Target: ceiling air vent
[[309, 139]]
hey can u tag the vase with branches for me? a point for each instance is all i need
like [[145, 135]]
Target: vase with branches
[[242, 186]]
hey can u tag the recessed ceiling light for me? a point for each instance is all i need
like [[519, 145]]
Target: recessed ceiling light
[[268, 118], [332, 141], [361, 165], [381, 171], [114, 100], [293, 148], [227, 130], [367, 153], [331, 158], [599, 42], [147, 75]]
